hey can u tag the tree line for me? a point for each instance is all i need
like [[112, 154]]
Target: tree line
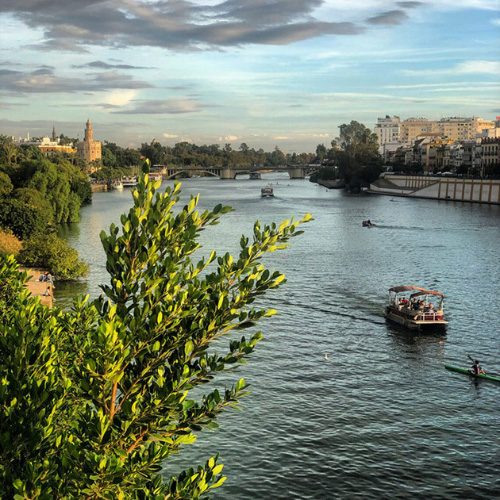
[[36, 195]]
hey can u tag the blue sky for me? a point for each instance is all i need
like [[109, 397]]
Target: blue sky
[[269, 73]]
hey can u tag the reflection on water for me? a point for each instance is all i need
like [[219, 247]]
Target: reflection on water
[[381, 418]]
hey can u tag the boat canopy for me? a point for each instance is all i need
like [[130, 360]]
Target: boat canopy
[[406, 288], [418, 290], [426, 292]]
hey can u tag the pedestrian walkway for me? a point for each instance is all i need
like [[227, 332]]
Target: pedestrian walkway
[[42, 289]]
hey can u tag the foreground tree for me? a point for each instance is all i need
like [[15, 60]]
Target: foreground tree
[[94, 400]]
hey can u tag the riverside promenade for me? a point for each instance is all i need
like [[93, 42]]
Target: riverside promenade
[[438, 188], [42, 289]]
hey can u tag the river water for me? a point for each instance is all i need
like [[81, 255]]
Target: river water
[[381, 418]]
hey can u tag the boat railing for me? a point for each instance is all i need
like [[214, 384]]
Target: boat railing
[[419, 315]]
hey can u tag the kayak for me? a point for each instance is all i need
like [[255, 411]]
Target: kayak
[[465, 371]]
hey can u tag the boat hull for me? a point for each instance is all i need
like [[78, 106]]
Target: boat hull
[[464, 371], [409, 321]]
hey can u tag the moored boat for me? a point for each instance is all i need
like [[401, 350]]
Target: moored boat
[[129, 181], [267, 191], [411, 306], [465, 371], [117, 185], [155, 176]]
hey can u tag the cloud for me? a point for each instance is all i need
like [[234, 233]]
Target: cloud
[[231, 138], [104, 65], [463, 68], [44, 80], [121, 97], [178, 24], [172, 106], [496, 21], [390, 17], [409, 5], [169, 136]]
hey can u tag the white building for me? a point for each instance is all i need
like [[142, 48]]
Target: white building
[[387, 130]]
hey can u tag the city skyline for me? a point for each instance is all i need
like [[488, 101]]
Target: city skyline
[[280, 73]]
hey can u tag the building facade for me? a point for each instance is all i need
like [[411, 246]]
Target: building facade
[[88, 149], [48, 145], [387, 131], [393, 130]]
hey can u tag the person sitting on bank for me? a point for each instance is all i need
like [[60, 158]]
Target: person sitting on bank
[[476, 369]]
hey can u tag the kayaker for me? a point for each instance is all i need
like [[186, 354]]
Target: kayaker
[[476, 369]]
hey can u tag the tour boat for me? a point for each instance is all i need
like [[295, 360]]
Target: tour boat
[[129, 181], [267, 191], [411, 306]]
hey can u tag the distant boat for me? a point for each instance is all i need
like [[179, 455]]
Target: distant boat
[[267, 191], [156, 177], [254, 176], [117, 185], [129, 181]]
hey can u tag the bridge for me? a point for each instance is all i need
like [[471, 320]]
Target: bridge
[[294, 171]]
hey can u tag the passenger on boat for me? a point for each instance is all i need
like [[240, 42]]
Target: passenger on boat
[[476, 369]]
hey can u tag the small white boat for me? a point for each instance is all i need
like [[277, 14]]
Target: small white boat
[[412, 307], [117, 185], [155, 177], [267, 191], [129, 181]]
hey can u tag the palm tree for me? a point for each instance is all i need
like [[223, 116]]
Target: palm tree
[[10, 151]]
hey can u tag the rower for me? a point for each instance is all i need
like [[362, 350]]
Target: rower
[[476, 369]]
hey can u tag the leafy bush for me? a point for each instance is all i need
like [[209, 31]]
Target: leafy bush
[[49, 252], [95, 400], [5, 184], [22, 219], [9, 244]]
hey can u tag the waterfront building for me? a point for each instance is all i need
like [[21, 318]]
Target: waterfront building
[[393, 130], [387, 131], [412, 128], [48, 145], [88, 149], [490, 153]]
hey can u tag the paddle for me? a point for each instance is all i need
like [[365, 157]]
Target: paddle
[[472, 359]]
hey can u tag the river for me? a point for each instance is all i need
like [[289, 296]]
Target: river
[[381, 418]]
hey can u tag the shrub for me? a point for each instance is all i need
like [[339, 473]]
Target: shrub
[[49, 252], [9, 244], [22, 219]]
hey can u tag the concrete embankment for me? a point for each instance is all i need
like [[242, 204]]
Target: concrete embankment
[[98, 188], [332, 183], [439, 188]]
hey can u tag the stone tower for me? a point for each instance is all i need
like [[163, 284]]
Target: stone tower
[[88, 149], [54, 136]]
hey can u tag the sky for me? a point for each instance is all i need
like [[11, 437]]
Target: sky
[[267, 73]]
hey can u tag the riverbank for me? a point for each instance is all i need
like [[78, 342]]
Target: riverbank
[[42, 289], [438, 188]]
